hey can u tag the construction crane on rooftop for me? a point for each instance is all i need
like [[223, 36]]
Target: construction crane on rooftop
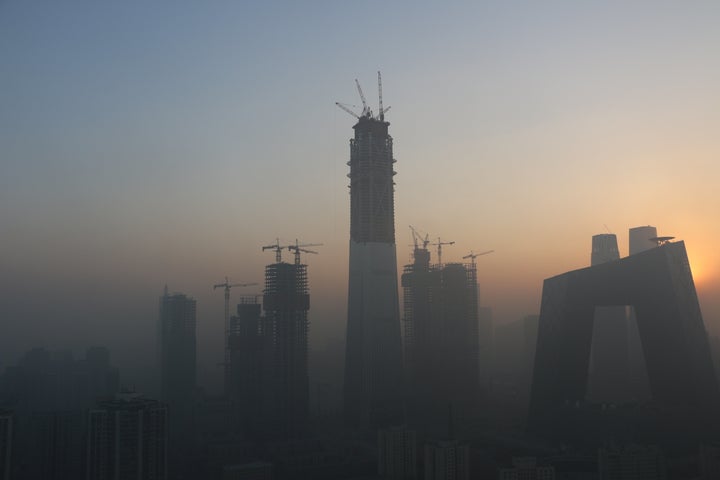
[[416, 236], [473, 256], [439, 244], [277, 248], [298, 248], [366, 111], [344, 107], [227, 286]]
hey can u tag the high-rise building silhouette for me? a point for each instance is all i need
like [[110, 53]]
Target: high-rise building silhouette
[[286, 303], [397, 453], [127, 439], [639, 241], [526, 468], [659, 284], [447, 460], [631, 462], [50, 393], [373, 362], [486, 346], [53, 445], [177, 327], [609, 379], [440, 319], [709, 456], [6, 443], [250, 345]]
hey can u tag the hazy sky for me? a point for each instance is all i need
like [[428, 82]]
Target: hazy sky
[[144, 143]]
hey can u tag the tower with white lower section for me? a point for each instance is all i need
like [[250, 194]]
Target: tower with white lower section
[[373, 359]]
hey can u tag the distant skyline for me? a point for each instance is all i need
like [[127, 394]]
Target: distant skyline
[[144, 145]]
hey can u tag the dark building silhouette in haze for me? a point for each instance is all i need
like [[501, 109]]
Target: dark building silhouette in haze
[[397, 453], [6, 443], [127, 439], [177, 326], [50, 393], [178, 351], [373, 362], [250, 344], [632, 462], [441, 337], [639, 241], [609, 377], [659, 284], [286, 303]]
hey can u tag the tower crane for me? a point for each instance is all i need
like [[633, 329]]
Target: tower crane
[[439, 244], [472, 256], [277, 248], [366, 111], [227, 286], [381, 114], [341, 105], [298, 248], [416, 236]]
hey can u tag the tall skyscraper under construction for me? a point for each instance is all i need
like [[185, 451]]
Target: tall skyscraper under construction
[[285, 330], [373, 361], [441, 338]]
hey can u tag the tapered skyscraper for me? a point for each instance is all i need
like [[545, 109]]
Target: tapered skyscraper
[[373, 361]]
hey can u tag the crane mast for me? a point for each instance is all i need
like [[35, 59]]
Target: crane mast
[[297, 249], [381, 113], [440, 244], [472, 256], [226, 341], [366, 111]]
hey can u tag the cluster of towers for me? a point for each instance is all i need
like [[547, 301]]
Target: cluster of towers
[[268, 362], [266, 341], [440, 364], [440, 320]]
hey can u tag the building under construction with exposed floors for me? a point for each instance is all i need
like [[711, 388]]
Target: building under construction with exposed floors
[[440, 319], [269, 354], [373, 362]]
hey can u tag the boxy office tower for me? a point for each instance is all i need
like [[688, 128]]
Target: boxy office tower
[[373, 361]]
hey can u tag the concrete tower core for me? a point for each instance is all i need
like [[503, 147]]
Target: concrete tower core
[[373, 361]]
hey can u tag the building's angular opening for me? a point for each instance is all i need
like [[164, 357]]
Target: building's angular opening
[[617, 372]]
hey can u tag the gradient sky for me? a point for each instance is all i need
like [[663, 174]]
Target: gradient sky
[[145, 143]]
